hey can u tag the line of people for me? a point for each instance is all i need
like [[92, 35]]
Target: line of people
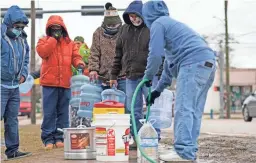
[[124, 54]]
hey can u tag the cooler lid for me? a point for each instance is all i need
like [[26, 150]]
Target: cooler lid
[[109, 104]]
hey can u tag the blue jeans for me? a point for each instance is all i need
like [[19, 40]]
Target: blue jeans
[[138, 108], [10, 104], [193, 83], [55, 108]]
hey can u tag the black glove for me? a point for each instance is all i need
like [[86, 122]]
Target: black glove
[[148, 83], [154, 95]]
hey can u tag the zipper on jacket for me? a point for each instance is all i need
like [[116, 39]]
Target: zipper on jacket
[[58, 47], [14, 57], [23, 57]]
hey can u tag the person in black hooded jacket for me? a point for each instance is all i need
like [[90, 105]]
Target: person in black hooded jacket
[[131, 56]]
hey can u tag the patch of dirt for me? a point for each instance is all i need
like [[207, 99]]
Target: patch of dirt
[[224, 149], [30, 141]]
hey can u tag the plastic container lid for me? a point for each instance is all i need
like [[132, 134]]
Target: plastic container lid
[[109, 104]]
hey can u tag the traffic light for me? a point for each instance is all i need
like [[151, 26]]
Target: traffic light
[[39, 12], [92, 10]]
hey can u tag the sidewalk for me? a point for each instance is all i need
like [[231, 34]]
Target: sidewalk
[[235, 126]]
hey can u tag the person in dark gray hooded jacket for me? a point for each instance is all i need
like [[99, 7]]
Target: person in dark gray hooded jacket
[[131, 57]]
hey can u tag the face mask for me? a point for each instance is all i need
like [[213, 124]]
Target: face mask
[[111, 30], [13, 32], [56, 33], [136, 21]]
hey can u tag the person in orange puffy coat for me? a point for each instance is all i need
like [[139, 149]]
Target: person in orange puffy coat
[[58, 53]]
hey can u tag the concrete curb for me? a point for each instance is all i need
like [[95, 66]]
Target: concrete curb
[[226, 134]]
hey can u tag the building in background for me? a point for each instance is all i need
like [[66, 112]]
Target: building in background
[[242, 82]]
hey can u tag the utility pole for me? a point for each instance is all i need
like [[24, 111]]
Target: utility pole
[[227, 58], [221, 69], [33, 60]]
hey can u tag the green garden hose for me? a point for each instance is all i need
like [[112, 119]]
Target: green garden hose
[[141, 84]]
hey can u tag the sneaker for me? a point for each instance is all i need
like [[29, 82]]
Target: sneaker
[[164, 149], [18, 154], [173, 156], [59, 144], [48, 146]]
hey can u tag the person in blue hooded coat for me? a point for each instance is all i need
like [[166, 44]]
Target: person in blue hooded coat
[[14, 71], [131, 56], [191, 62]]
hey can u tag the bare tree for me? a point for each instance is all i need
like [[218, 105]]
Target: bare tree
[[219, 40]]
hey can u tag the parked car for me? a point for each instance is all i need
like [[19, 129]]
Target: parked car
[[25, 104], [249, 107]]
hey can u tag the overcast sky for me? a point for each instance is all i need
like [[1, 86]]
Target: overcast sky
[[204, 16]]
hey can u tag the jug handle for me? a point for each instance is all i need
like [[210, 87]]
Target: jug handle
[[79, 71], [152, 121], [142, 121], [114, 87]]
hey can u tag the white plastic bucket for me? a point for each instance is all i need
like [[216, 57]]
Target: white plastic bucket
[[112, 137]]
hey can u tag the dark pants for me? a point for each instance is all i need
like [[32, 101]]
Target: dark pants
[[10, 104], [55, 108]]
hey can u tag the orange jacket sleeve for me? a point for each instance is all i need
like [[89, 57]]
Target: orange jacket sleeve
[[45, 46], [76, 57]]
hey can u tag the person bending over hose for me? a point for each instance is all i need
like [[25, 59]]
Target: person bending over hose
[[191, 62]]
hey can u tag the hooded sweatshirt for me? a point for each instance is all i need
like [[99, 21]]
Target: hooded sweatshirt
[[57, 56], [180, 44], [14, 52], [131, 46]]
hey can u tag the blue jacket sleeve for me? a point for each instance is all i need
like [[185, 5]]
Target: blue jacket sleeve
[[26, 62], [166, 78], [156, 50]]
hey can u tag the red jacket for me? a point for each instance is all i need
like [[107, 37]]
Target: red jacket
[[57, 57]]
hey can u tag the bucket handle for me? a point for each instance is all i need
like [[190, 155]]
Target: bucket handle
[[81, 126]]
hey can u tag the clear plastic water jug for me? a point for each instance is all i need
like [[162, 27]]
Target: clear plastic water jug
[[148, 141], [76, 89], [113, 94], [90, 94], [27, 85], [161, 110], [77, 81]]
